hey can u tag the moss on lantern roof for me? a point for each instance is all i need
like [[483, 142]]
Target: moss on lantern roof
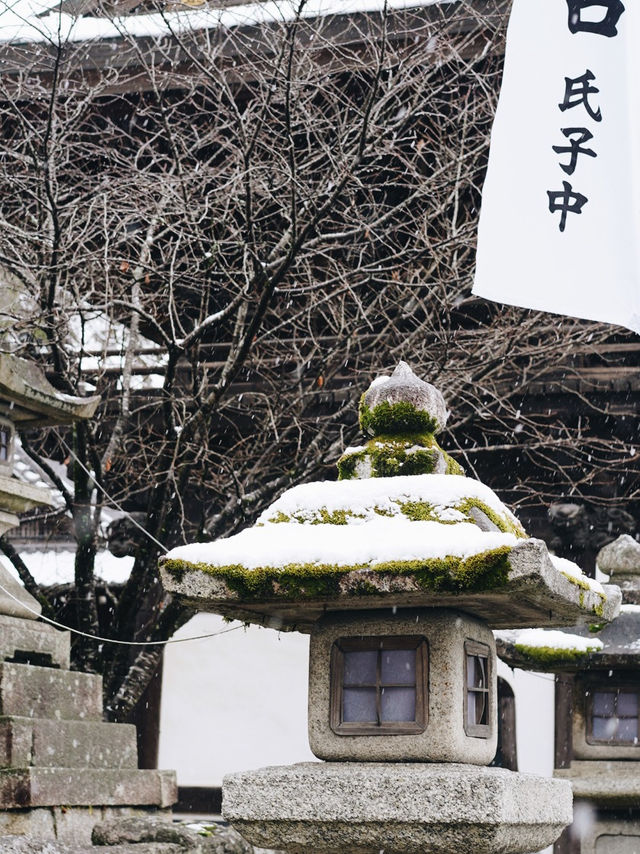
[[402, 526], [546, 651], [400, 454], [485, 571]]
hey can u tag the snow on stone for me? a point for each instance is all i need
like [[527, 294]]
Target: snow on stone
[[630, 609], [19, 21], [541, 638], [380, 541], [363, 497], [572, 570]]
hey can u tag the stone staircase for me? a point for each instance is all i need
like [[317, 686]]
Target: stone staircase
[[62, 769]]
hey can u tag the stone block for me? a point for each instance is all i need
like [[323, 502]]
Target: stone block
[[46, 787], [42, 692], [444, 738], [70, 744], [610, 784], [14, 599], [365, 808], [212, 838], [29, 642], [67, 825]]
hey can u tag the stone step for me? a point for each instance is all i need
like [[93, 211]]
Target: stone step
[[26, 641], [95, 787], [43, 692], [44, 743]]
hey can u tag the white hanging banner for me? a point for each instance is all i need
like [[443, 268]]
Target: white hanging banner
[[560, 221]]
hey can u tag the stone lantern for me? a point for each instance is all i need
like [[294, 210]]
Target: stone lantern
[[597, 711], [398, 571], [62, 768]]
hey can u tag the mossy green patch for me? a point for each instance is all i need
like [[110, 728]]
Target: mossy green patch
[[418, 511], [548, 655], [392, 418], [598, 609], [400, 454], [486, 571]]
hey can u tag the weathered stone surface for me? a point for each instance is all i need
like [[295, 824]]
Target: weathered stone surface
[[363, 808], [68, 744], [36, 787], [213, 839], [8, 521], [141, 829], [36, 643], [8, 604], [42, 692], [621, 557], [66, 825], [403, 386], [608, 783], [34, 400], [18, 497], [444, 738], [535, 594]]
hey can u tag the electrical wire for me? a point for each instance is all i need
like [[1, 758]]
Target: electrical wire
[[112, 500], [114, 640]]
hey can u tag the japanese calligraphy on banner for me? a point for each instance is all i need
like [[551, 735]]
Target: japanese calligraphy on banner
[[560, 221]]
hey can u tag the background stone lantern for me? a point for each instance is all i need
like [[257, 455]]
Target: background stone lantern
[[399, 571], [598, 711]]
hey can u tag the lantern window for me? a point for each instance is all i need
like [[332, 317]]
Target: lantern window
[[477, 717], [379, 685], [613, 715]]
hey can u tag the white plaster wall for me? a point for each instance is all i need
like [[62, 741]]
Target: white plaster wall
[[233, 702], [535, 720]]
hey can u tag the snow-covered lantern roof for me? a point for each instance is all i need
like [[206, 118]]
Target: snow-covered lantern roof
[[402, 527]]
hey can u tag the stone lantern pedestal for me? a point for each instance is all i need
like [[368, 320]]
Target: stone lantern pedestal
[[399, 571], [401, 808]]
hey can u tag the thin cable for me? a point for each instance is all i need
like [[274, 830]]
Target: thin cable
[[113, 640], [112, 500]]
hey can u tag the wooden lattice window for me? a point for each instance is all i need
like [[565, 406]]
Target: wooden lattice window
[[379, 685], [477, 694]]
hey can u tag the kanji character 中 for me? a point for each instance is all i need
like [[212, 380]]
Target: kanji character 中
[[566, 201]]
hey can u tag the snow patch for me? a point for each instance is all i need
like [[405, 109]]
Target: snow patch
[[381, 540], [544, 638], [57, 567], [364, 497], [567, 567]]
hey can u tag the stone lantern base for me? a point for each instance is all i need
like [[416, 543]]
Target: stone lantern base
[[398, 808]]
